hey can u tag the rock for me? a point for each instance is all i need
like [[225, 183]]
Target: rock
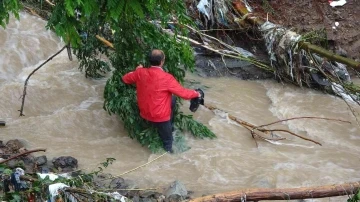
[[65, 163], [176, 191], [45, 169], [136, 198], [117, 183], [161, 198], [29, 160], [41, 160], [14, 163], [102, 180], [146, 200], [14, 145], [174, 198], [2, 143], [214, 66], [148, 194]]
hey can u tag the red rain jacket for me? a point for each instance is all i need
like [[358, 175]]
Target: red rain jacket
[[154, 89]]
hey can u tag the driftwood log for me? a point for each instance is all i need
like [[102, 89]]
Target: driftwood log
[[283, 194]]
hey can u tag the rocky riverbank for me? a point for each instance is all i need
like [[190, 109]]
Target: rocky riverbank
[[33, 169]]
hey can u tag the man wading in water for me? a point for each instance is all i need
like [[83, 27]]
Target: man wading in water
[[155, 89]]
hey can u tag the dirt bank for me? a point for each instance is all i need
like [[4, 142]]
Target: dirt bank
[[309, 15]]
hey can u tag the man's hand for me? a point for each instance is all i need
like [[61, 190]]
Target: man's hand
[[139, 66]]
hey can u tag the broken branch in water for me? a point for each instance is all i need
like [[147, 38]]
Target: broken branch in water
[[22, 154], [258, 131], [27, 79], [299, 136], [305, 117]]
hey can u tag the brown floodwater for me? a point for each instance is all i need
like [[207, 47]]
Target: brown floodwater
[[64, 114]]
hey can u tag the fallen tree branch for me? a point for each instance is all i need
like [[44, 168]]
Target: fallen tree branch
[[22, 154], [282, 194], [299, 136], [304, 117], [27, 79], [257, 131]]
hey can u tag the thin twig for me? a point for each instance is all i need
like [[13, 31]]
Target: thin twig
[[304, 117], [302, 137], [27, 79], [22, 154], [50, 3]]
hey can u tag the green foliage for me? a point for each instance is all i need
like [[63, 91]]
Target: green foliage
[[355, 197], [7, 7], [81, 182], [186, 122], [317, 37]]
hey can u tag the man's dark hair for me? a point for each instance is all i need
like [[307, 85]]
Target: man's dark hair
[[155, 57]]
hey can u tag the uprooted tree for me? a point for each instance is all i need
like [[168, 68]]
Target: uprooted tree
[[129, 25]]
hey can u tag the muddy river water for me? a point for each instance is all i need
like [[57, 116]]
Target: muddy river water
[[64, 114]]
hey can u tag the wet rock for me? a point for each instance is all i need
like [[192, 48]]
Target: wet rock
[[149, 194], [14, 145], [41, 160], [214, 66], [14, 163], [161, 198], [1, 144], [44, 169], [117, 183], [65, 163], [147, 200], [174, 198], [28, 159], [176, 192], [135, 198], [102, 180]]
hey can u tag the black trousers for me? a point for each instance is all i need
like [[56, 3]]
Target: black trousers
[[166, 128]]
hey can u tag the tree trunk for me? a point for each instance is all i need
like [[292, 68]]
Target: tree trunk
[[283, 194]]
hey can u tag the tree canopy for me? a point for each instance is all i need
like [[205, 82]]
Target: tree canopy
[[133, 28]]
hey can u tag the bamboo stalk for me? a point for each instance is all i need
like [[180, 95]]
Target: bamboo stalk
[[283, 194]]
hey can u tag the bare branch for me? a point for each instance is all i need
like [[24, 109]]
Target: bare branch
[[27, 79]]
